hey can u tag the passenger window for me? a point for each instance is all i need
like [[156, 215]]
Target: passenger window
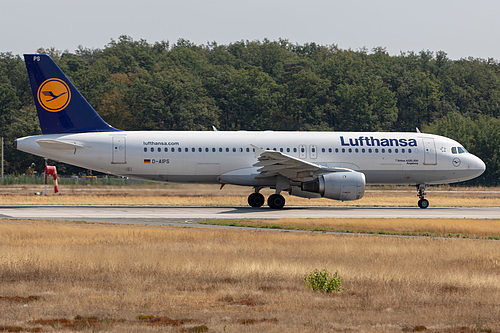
[[396, 150], [145, 149], [200, 150], [207, 150], [329, 150], [302, 149], [313, 149], [453, 150], [294, 150], [227, 150], [281, 149], [248, 150], [383, 150], [376, 150], [220, 150], [402, 150], [193, 149], [362, 150], [179, 150], [234, 150], [173, 150], [213, 150], [288, 150], [323, 150], [356, 150], [186, 149], [369, 150], [152, 150], [389, 150], [409, 150], [336, 150], [343, 150], [350, 150]]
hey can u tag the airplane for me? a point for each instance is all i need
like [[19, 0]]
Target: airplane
[[334, 165]]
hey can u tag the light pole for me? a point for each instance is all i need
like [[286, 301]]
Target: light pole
[[2, 159]]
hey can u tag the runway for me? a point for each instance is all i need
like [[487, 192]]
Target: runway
[[166, 215]]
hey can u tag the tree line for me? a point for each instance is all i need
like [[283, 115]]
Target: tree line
[[262, 85]]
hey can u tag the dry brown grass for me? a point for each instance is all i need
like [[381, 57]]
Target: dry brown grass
[[127, 278], [210, 195]]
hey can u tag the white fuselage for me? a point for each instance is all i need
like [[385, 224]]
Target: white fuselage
[[228, 157]]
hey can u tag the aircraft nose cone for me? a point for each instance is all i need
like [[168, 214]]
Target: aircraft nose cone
[[482, 166], [477, 165]]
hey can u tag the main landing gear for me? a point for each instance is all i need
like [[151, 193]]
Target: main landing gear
[[422, 203], [256, 199], [275, 201]]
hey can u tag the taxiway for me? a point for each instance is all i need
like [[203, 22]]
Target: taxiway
[[175, 214]]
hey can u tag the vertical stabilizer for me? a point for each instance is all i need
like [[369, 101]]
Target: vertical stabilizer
[[60, 106]]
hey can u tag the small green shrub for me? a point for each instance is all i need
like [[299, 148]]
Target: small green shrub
[[324, 281]]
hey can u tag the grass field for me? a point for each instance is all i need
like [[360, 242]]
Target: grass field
[[62, 276], [211, 195], [67, 276], [452, 228]]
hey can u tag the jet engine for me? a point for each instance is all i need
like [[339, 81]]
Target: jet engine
[[343, 186]]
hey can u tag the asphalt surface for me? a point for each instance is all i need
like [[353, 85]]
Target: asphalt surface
[[184, 215]]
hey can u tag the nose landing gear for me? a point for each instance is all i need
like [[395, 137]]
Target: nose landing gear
[[422, 203]]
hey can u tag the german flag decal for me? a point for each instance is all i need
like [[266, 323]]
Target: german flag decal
[[147, 160]]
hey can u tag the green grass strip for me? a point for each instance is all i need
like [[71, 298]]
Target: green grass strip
[[263, 225]]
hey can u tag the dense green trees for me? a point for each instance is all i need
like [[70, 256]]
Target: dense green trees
[[266, 84]]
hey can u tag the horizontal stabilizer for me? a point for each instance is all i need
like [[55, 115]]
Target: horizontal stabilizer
[[58, 144]]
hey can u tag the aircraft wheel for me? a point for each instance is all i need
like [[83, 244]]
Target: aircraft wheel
[[256, 200], [423, 203], [276, 201]]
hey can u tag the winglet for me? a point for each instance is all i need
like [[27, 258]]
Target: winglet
[[60, 106], [258, 150]]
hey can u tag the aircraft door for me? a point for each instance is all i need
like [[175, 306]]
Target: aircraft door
[[313, 151], [119, 155], [430, 154], [302, 151]]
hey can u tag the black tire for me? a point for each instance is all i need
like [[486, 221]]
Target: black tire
[[423, 203], [276, 201], [256, 200]]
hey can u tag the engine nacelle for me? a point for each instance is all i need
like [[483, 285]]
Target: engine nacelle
[[343, 186]]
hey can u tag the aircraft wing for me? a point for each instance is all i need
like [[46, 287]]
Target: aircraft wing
[[273, 163]]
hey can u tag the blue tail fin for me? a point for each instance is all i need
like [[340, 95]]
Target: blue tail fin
[[60, 106]]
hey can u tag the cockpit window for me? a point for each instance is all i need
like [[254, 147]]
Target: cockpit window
[[459, 150]]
